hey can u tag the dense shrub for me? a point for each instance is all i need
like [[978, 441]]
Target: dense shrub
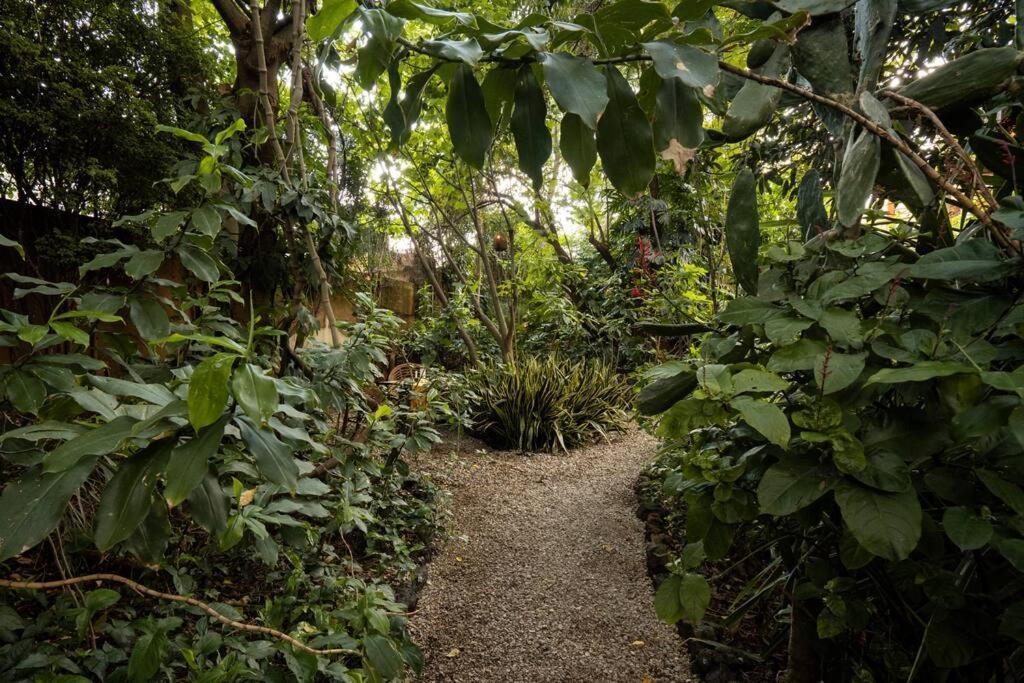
[[547, 404]]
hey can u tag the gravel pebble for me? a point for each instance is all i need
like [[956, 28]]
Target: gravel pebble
[[543, 578]]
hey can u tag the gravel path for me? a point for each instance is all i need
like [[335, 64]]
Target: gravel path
[[544, 578]]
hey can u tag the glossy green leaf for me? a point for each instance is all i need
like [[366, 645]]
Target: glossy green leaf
[[661, 394], [469, 125], [100, 440], [467, 51], [143, 263], [810, 205], [577, 86], [382, 656], [755, 103], [678, 123], [129, 493], [975, 259], [1006, 491], [625, 142], [199, 262], [813, 7], [208, 505], [886, 524], [70, 332], [432, 15], [33, 504], [767, 418], [692, 66], [857, 178], [743, 229], [529, 129], [24, 390], [254, 392], [381, 30], [578, 147], [149, 317], [920, 372], [189, 461], [272, 456], [329, 18], [792, 485], [966, 529], [834, 371], [208, 390]]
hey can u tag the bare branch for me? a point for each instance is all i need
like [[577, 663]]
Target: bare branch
[[173, 597]]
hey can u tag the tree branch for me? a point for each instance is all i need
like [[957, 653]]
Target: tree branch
[[233, 16], [173, 597]]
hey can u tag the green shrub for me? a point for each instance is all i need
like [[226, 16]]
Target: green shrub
[[546, 404]]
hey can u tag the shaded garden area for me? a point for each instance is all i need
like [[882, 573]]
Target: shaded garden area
[[267, 266]]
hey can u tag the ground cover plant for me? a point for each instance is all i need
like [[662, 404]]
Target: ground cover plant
[[547, 404]]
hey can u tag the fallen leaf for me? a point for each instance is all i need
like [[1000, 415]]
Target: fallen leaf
[[454, 652], [679, 156]]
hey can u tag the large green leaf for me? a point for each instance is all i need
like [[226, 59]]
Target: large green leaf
[[1006, 491], [678, 123], [810, 205], [755, 103], [822, 56], [273, 457], [129, 493], [529, 128], [886, 524], [920, 372], [98, 441], [199, 262], [24, 390], [743, 230], [813, 7], [208, 389], [143, 263], [469, 125], [835, 371], [662, 393], [694, 597], [254, 392], [791, 485], [625, 142], [432, 15], [32, 505], [208, 505], [467, 51], [576, 84], [578, 147], [974, 259], [382, 656], [149, 318], [767, 418], [189, 461], [329, 17], [873, 23], [157, 394], [149, 541], [966, 529], [857, 178], [690, 65], [381, 30]]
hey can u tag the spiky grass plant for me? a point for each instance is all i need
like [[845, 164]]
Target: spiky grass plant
[[545, 404]]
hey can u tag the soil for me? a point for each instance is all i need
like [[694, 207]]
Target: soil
[[544, 576]]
